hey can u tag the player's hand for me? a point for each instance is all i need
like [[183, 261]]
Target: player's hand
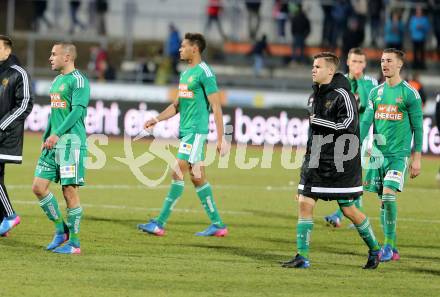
[[50, 142], [223, 147], [150, 123], [415, 167]]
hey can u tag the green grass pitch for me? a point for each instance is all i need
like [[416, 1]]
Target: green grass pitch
[[259, 208]]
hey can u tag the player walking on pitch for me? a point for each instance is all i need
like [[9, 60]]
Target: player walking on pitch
[[64, 149], [198, 93], [332, 164], [361, 85], [395, 109]]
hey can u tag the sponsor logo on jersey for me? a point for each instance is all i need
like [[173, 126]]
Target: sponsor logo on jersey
[[394, 176], [378, 99], [388, 112], [68, 171], [56, 101], [185, 148], [5, 82], [184, 92]]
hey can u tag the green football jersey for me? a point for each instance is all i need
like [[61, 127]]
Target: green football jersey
[[395, 112], [195, 85], [67, 91], [361, 88]]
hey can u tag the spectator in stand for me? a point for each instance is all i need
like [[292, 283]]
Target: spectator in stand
[[254, 17], [360, 8], [259, 49], [214, 11], [327, 26], [375, 8], [39, 16], [435, 10], [172, 46], [340, 13], [101, 11], [300, 29], [394, 31], [74, 21], [280, 13], [95, 65], [352, 37], [419, 27]]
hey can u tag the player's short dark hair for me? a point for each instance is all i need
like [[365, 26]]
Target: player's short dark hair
[[328, 57], [6, 41], [356, 51], [68, 47], [198, 39], [399, 53]]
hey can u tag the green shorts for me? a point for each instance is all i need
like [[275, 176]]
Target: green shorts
[[390, 174], [192, 148], [62, 165]]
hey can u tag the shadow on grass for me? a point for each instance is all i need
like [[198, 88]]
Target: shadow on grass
[[13, 243], [273, 215], [426, 270], [255, 254]]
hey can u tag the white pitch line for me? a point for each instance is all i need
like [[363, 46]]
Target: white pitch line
[[186, 210], [227, 187], [142, 209]]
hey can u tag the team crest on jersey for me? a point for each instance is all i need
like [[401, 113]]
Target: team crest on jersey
[[5, 82], [184, 92], [399, 100], [61, 88], [328, 104], [56, 101], [190, 79]]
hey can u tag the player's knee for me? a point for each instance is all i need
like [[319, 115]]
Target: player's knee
[[197, 181], [38, 189], [349, 212]]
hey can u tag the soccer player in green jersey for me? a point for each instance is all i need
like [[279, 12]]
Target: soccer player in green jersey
[[395, 109], [361, 85], [64, 149], [198, 94]]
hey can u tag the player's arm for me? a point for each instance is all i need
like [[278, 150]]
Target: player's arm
[[214, 101], [80, 100], [367, 119], [23, 103], [345, 121], [169, 112], [414, 105]]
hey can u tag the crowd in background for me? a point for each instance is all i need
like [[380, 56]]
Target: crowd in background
[[408, 25]]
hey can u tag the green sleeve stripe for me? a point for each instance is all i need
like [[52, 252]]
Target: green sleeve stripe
[[79, 79]]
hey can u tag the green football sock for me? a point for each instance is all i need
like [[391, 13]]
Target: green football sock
[[303, 232], [49, 204], [390, 218], [176, 190], [366, 232], [205, 195], [73, 222], [382, 216]]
